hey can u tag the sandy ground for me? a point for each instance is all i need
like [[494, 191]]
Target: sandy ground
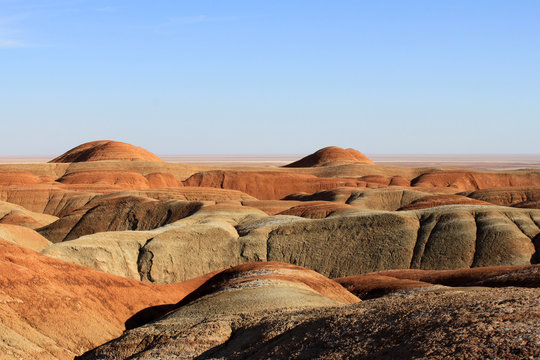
[[473, 161]]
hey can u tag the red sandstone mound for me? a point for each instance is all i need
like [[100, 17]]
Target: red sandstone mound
[[332, 155], [106, 150], [162, 180], [123, 179], [51, 309], [472, 180], [385, 180], [268, 185]]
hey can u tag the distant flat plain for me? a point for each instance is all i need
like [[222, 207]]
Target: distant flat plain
[[467, 161]]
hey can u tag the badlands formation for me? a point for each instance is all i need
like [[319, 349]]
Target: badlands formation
[[108, 252]]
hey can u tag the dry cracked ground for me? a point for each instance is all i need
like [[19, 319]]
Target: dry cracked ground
[[108, 252]]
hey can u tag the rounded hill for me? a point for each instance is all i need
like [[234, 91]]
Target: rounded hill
[[332, 155], [106, 150]]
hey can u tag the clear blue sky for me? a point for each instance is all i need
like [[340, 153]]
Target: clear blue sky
[[181, 77]]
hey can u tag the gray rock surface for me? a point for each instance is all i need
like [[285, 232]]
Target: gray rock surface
[[350, 243]]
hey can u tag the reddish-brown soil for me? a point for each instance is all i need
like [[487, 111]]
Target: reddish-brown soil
[[268, 185], [385, 180], [105, 150], [119, 211], [472, 180], [23, 236], [332, 155], [10, 178], [63, 309]]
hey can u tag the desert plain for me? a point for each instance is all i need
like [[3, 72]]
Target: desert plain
[[109, 251]]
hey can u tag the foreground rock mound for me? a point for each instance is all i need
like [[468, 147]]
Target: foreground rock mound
[[332, 155], [50, 309], [272, 274], [262, 288], [469, 323], [106, 150]]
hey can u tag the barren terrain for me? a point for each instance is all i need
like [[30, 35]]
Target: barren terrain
[[112, 252]]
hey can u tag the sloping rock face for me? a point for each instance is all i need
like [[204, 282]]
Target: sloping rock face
[[441, 200], [475, 180], [470, 323], [126, 180], [269, 273], [204, 242], [47, 200], [233, 293], [17, 215], [50, 309], [344, 244], [271, 207], [106, 150], [123, 179], [532, 204], [340, 195], [10, 178], [517, 196], [268, 185], [384, 199], [61, 202], [23, 236], [116, 213], [377, 241], [317, 209], [372, 285], [332, 155]]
